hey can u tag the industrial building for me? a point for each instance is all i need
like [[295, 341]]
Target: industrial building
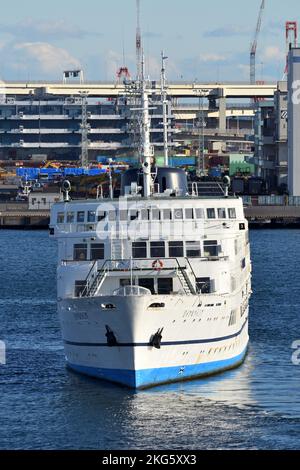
[[46, 119], [51, 127], [294, 121], [271, 147]]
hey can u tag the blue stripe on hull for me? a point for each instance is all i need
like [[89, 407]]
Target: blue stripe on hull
[[150, 377]]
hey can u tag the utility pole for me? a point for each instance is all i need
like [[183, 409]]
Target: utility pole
[[200, 163], [85, 127], [165, 108]]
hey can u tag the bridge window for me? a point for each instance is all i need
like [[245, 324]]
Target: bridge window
[[91, 216], [139, 250], [189, 214], [167, 214], [147, 283], [176, 249], [157, 250], [164, 286], [133, 214], [178, 214], [112, 216], [211, 248], [199, 213], [232, 213], [203, 285], [80, 252], [145, 214], [193, 249], [222, 213], [243, 263], [80, 216], [211, 213], [155, 214], [70, 217], [101, 216], [97, 251], [123, 216], [60, 217]]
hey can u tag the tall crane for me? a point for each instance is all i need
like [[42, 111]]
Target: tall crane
[[254, 45]]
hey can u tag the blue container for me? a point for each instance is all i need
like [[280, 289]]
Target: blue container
[[215, 172]]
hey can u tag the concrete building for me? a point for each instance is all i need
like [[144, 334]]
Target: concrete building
[[43, 200], [281, 134], [271, 147], [294, 121], [265, 143], [51, 126], [44, 118]]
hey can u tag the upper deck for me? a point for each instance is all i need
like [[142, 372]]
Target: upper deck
[[156, 214]]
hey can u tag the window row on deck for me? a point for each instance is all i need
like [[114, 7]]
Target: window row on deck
[[153, 249], [154, 214]]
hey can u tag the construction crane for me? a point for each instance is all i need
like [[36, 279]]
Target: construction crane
[[254, 45]]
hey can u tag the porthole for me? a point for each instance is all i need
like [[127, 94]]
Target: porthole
[[157, 305]]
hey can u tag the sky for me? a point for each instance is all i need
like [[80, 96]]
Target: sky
[[204, 40]]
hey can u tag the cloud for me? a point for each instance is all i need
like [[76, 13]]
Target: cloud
[[227, 31], [245, 70], [212, 57], [37, 30], [272, 53], [41, 58], [152, 35]]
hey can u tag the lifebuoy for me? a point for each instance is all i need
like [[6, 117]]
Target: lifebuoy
[[157, 265]]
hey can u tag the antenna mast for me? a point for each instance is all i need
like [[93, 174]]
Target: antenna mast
[[147, 150], [138, 42], [165, 108]]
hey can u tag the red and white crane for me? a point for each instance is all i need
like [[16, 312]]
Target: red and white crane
[[291, 35]]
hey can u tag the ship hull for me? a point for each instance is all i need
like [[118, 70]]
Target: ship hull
[[196, 338], [146, 378]]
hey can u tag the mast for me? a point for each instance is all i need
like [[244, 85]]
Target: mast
[[147, 151], [165, 108], [138, 41]]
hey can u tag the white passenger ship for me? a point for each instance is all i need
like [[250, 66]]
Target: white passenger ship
[[154, 286]]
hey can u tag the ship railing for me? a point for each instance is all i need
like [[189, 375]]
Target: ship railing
[[129, 291], [97, 275], [207, 189]]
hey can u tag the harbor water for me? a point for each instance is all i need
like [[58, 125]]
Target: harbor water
[[45, 406]]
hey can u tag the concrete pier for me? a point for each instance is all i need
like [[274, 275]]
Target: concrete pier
[[18, 216]]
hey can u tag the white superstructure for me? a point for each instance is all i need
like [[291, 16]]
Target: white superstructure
[[154, 286], [141, 303]]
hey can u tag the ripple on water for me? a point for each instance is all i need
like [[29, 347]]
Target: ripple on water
[[44, 405]]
